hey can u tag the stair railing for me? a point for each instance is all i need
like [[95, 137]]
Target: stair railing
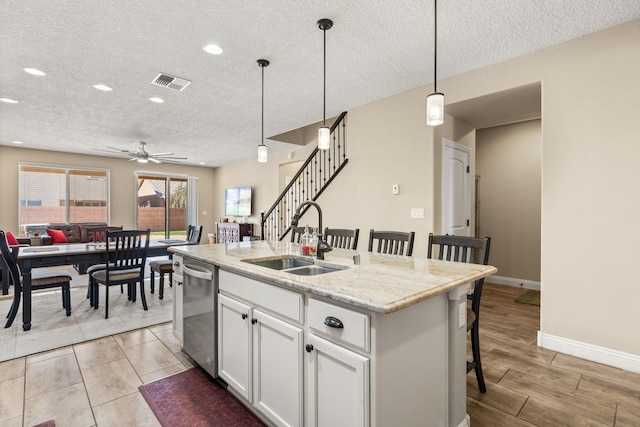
[[313, 177]]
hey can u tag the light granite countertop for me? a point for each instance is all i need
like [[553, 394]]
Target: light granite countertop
[[380, 283]]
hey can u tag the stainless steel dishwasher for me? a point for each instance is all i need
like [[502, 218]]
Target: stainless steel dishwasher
[[199, 313]]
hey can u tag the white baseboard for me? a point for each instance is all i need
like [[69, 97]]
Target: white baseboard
[[618, 359], [510, 281], [466, 422]]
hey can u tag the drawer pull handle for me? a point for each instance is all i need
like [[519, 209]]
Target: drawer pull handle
[[333, 322], [309, 348], [244, 315]]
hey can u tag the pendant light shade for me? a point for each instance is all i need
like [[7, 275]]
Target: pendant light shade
[[435, 101], [324, 133], [262, 149], [435, 109]]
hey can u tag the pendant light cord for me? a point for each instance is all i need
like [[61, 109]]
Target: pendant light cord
[[262, 140], [324, 78], [435, 45]]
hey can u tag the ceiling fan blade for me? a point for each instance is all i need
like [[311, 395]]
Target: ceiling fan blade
[[154, 160], [109, 151], [161, 154], [119, 149]]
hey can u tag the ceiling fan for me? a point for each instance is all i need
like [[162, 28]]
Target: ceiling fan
[[141, 155]]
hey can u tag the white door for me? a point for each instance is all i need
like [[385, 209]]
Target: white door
[[277, 369], [456, 189], [234, 344], [338, 385]]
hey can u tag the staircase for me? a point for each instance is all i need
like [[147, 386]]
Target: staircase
[[315, 175]]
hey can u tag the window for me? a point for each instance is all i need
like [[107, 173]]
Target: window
[[59, 194], [164, 205]]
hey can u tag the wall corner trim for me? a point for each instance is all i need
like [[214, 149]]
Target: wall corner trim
[[618, 359]]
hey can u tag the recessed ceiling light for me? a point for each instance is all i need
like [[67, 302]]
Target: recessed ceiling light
[[103, 88], [17, 142], [213, 49], [35, 72], [9, 100], [202, 163], [156, 100]]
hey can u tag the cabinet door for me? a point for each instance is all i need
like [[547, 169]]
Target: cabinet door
[[178, 328], [234, 344], [277, 369], [338, 385]]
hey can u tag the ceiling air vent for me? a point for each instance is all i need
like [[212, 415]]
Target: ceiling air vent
[[170, 82]]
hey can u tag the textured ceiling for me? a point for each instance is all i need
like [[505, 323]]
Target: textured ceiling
[[376, 48]]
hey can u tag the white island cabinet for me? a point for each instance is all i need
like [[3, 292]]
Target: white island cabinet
[[177, 279], [377, 344], [260, 346]]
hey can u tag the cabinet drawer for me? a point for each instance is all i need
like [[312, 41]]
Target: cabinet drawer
[[355, 328], [280, 301]]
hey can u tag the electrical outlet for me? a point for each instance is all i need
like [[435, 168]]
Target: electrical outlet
[[462, 315]]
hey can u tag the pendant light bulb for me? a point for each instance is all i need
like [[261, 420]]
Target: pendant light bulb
[[324, 133], [435, 101], [262, 149]]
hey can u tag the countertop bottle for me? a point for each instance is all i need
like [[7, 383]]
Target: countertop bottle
[[305, 242]]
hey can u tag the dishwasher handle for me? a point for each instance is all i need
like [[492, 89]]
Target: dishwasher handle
[[198, 274]]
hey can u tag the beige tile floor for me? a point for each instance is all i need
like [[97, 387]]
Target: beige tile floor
[[93, 383]]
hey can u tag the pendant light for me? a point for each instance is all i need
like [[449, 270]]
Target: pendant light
[[435, 101], [262, 149], [324, 133]]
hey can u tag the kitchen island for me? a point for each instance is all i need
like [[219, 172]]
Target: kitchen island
[[378, 343]]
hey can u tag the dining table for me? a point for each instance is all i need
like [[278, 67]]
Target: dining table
[[69, 254]]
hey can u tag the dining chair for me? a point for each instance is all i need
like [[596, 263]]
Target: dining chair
[[296, 233], [39, 280], [392, 242], [97, 234], [471, 250], [165, 266], [342, 238], [126, 252]]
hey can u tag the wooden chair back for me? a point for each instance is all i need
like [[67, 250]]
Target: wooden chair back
[[127, 250], [342, 238], [98, 233], [194, 234], [392, 242], [296, 234]]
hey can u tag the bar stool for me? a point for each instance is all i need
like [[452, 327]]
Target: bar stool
[[162, 267]]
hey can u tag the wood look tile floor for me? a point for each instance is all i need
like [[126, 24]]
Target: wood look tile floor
[[530, 386], [95, 383]]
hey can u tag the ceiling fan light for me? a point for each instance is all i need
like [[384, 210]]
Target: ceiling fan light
[[142, 160], [324, 138], [262, 153], [435, 109]]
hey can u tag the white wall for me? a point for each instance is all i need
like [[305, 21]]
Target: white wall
[[590, 128], [509, 162]]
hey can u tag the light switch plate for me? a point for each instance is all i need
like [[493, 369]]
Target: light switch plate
[[417, 212], [395, 189]]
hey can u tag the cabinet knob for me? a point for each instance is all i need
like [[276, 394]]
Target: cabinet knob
[[254, 321], [309, 348], [176, 264], [179, 283], [333, 322], [245, 315]]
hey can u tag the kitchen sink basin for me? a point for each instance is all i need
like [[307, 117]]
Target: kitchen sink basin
[[281, 263], [312, 270], [295, 265]]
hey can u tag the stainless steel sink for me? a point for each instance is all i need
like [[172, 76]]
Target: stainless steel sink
[[312, 270], [281, 263], [294, 265]]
